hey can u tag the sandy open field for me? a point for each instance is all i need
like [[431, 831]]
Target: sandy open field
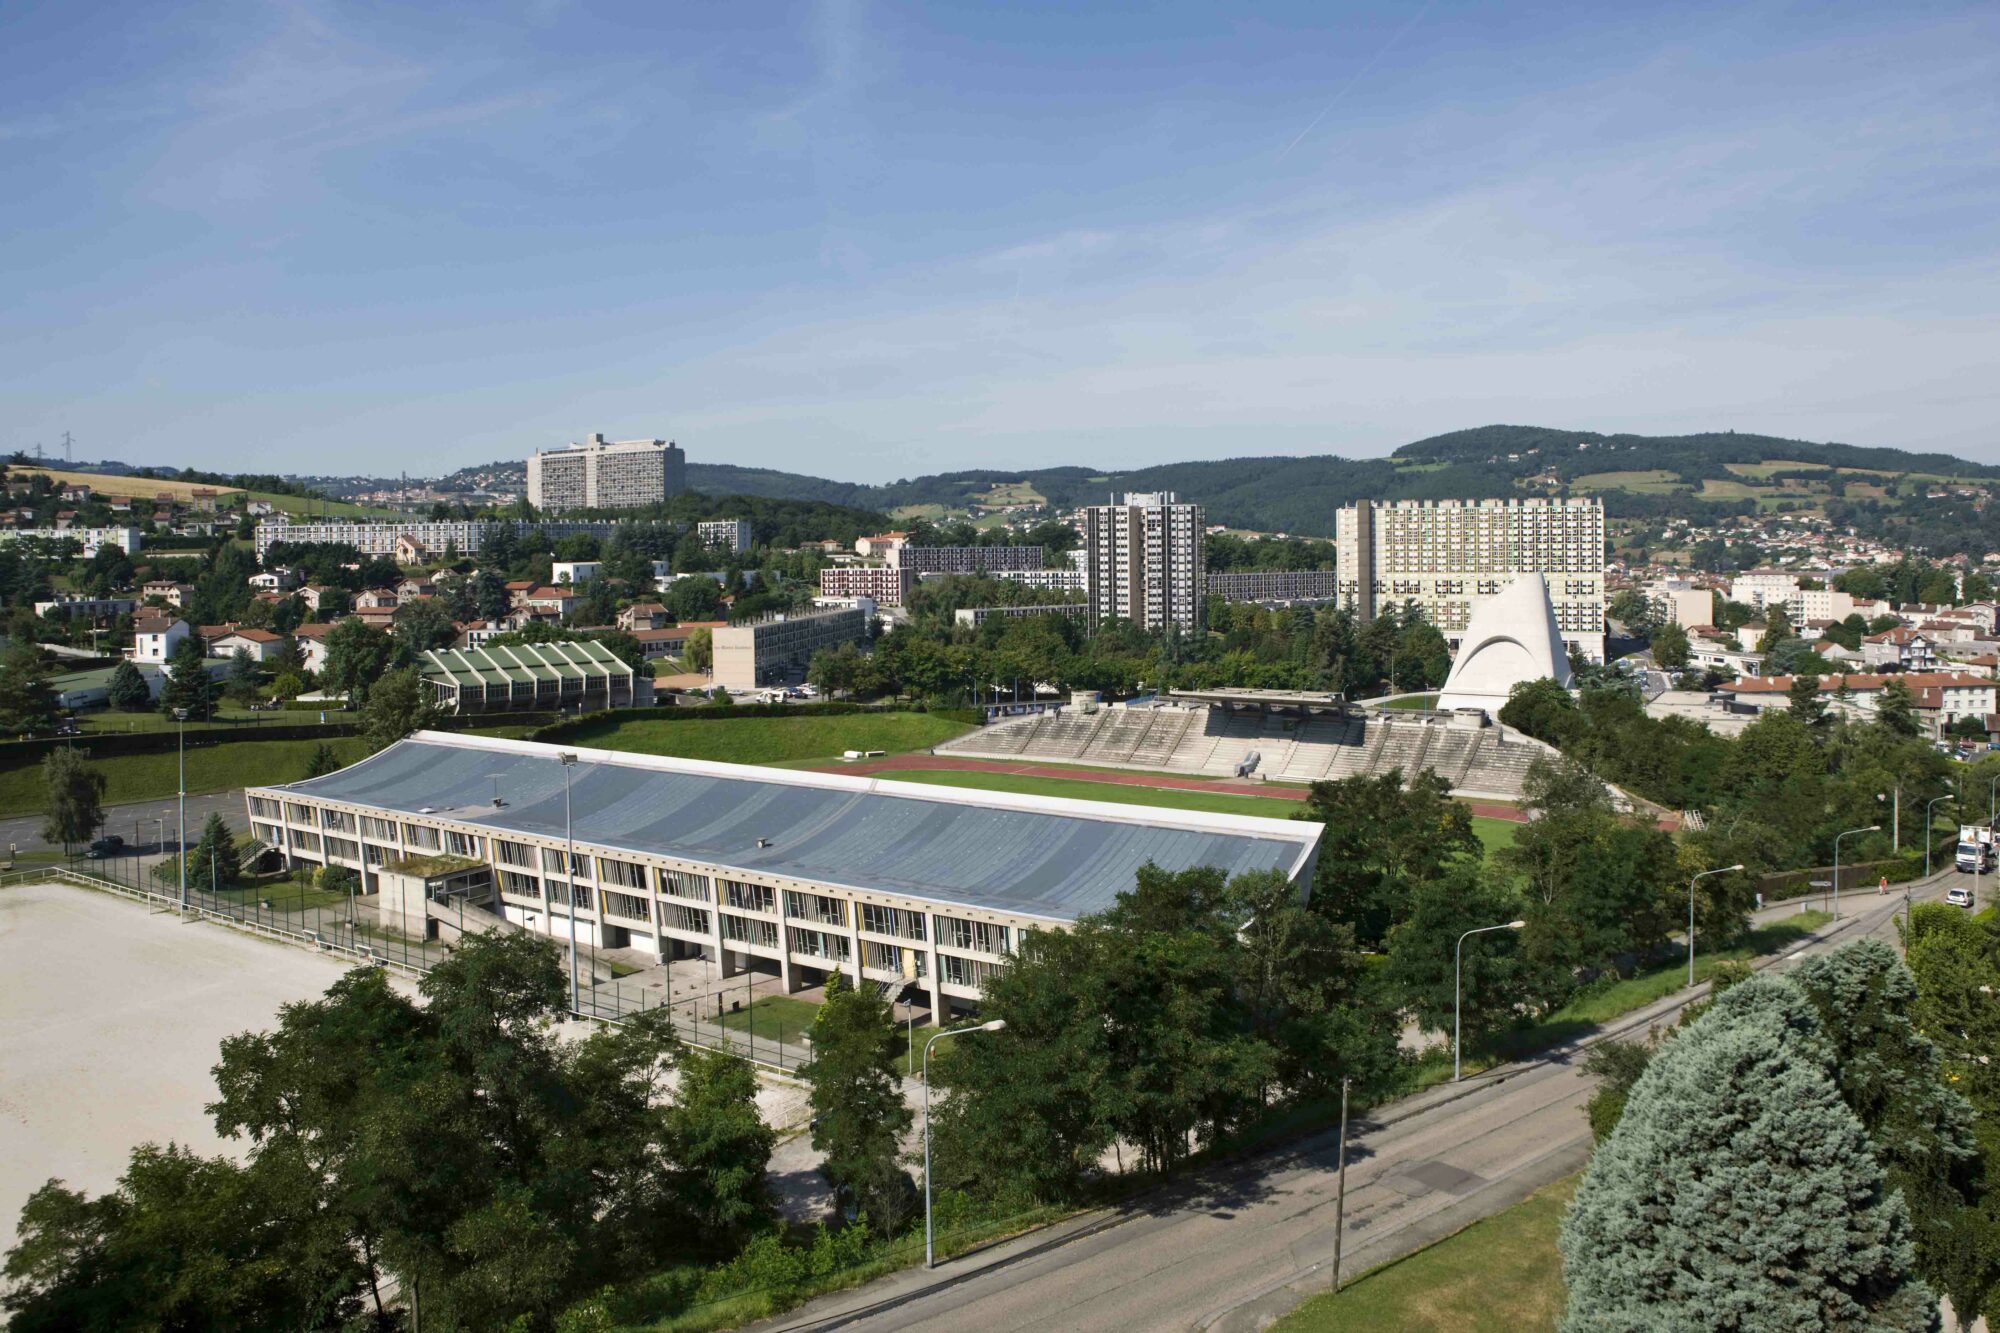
[[110, 1017]]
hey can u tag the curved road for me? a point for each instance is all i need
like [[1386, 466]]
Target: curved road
[[1238, 1247]]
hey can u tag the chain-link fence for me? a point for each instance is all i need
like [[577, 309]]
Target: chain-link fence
[[732, 1017]]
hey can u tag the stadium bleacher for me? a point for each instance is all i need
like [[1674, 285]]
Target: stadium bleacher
[[1476, 760]]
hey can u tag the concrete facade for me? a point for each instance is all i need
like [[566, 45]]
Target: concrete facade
[[1443, 555]]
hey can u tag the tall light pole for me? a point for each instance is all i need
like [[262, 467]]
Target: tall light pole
[[930, 1256], [181, 852], [1724, 870], [1458, 993], [1872, 828], [1927, 830], [568, 761]]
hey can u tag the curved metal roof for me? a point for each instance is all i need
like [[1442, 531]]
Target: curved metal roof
[[1052, 858]]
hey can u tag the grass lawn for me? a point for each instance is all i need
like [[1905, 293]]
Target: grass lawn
[[283, 895], [1649, 481], [1171, 798], [151, 777], [1499, 1275], [773, 1018], [772, 740], [1412, 701], [98, 720], [1493, 833]]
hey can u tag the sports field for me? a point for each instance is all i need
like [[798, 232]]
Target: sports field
[[771, 740], [1493, 833], [111, 1016]]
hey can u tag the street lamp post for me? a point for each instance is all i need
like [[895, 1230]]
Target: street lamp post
[[1724, 870], [1927, 830], [1458, 994], [568, 761], [1872, 828], [181, 717], [930, 1257]]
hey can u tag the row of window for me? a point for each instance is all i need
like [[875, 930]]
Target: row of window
[[515, 858]]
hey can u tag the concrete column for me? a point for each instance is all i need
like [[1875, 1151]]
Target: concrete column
[[786, 979], [851, 913]]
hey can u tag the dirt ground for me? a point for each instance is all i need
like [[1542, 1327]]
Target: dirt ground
[[110, 1019]]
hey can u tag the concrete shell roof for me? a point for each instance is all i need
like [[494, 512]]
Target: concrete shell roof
[[1038, 856]]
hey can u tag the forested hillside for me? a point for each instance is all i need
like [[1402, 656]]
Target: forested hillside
[[1705, 476]]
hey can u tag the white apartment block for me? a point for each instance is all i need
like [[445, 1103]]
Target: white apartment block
[[990, 560], [1760, 588], [92, 540], [1146, 561], [606, 474], [1677, 602], [887, 584], [465, 536], [1070, 578], [727, 534], [1443, 555]]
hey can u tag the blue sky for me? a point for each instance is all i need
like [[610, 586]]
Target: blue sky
[[870, 242]]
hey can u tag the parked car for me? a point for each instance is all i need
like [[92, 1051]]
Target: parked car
[[108, 845], [1959, 897]]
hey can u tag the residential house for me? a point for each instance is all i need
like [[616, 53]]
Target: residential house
[[1909, 649], [409, 551], [311, 639], [279, 579], [261, 644], [643, 615], [550, 601], [154, 638], [167, 590]]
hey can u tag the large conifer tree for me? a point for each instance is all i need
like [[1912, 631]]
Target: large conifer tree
[[1740, 1192]]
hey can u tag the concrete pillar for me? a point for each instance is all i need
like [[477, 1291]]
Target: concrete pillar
[[934, 981], [786, 978], [851, 914]]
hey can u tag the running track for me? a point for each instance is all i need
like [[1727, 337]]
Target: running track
[[1117, 777]]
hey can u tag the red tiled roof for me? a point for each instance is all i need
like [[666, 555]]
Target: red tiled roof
[[1916, 680]]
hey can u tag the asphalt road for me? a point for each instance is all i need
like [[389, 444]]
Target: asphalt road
[[1236, 1248], [135, 822]]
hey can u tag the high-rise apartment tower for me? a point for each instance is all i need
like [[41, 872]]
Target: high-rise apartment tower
[[606, 474], [1145, 561], [1443, 555]]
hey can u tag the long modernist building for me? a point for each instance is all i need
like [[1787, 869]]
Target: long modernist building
[[788, 871]]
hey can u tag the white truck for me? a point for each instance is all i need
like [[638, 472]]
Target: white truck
[[1975, 848]]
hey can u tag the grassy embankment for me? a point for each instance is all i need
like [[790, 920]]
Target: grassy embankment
[[148, 777], [1502, 1274]]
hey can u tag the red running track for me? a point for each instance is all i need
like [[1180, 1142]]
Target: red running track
[[1118, 777]]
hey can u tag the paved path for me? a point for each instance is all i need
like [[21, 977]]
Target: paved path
[[1235, 1247], [1123, 777]]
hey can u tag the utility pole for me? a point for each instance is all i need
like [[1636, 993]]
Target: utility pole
[[68, 440], [1340, 1194]]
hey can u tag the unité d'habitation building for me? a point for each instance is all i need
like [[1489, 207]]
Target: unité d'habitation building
[[1445, 554], [786, 871]]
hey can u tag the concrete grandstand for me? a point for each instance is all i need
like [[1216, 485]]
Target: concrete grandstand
[[1294, 737]]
